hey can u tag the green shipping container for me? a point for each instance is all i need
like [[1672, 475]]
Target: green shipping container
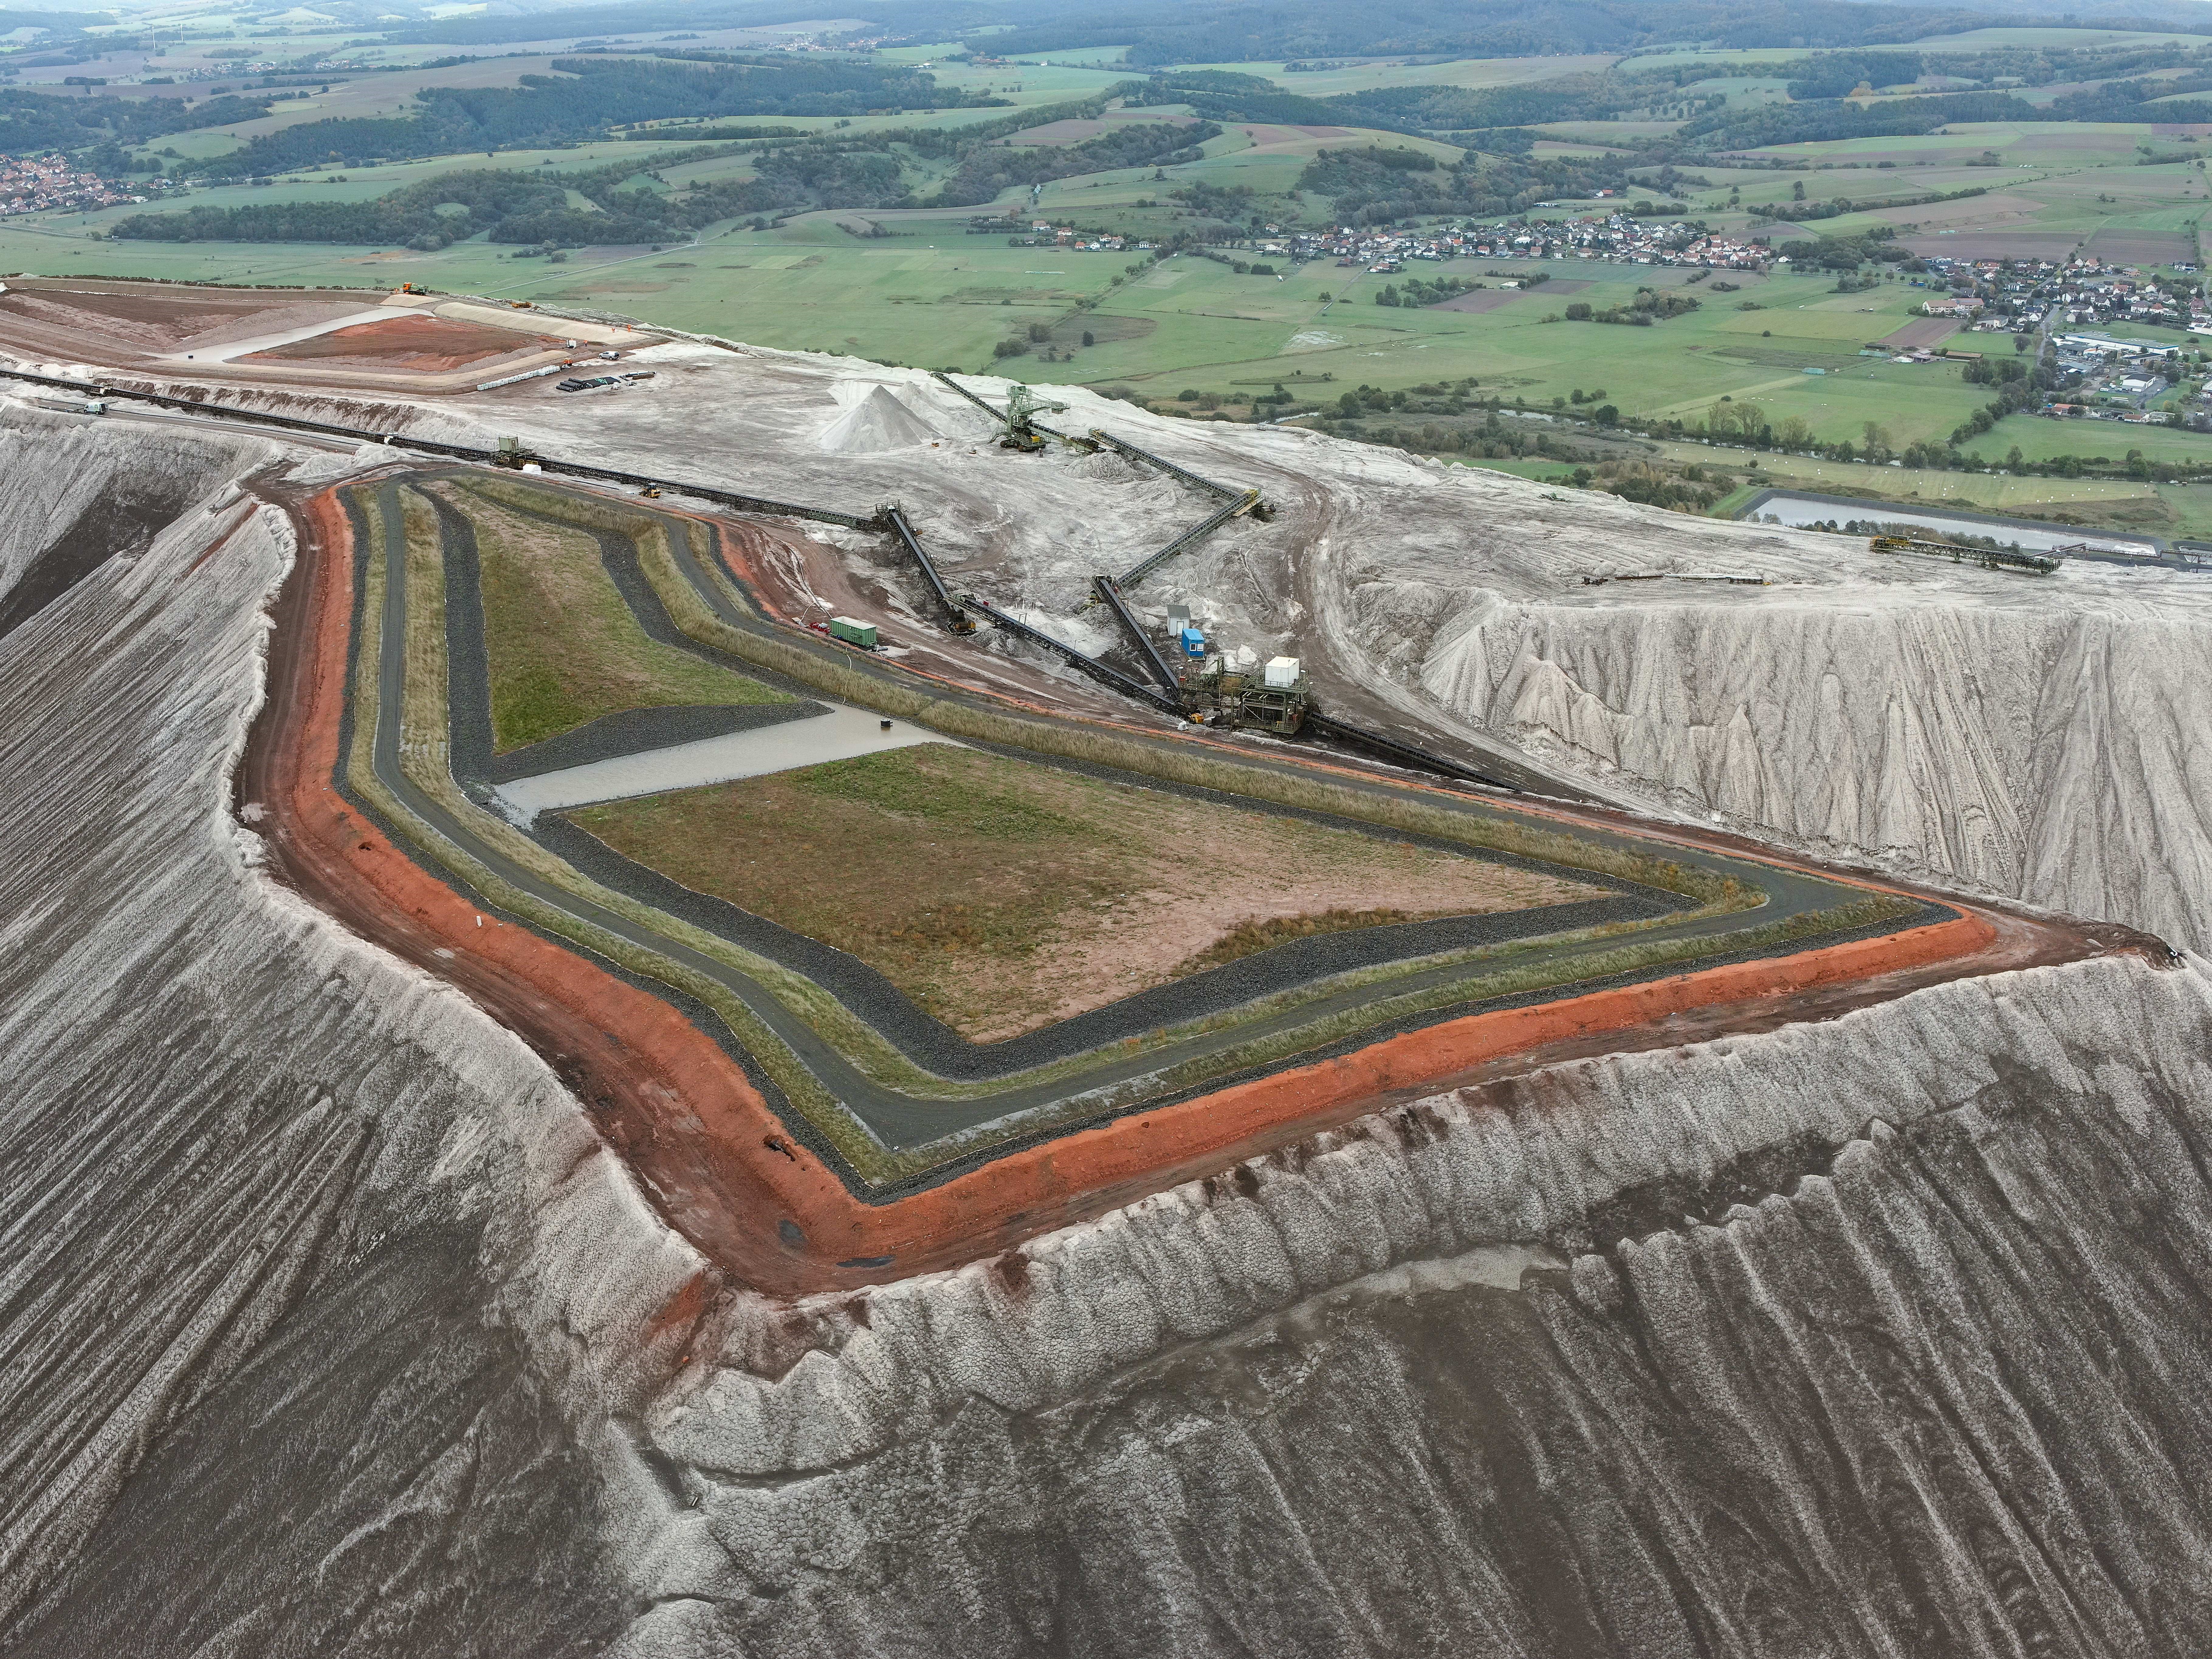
[[854, 632]]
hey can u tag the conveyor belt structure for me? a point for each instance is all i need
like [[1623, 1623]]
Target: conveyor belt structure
[[955, 619], [893, 519]]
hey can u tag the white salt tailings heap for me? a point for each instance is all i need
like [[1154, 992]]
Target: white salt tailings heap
[[877, 423], [330, 1317]]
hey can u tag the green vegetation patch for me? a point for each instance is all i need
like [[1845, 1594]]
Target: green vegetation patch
[[562, 647], [1001, 895]]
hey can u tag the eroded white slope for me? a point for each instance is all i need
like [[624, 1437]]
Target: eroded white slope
[[2053, 752], [2037, 738], [325, 1326], [266, 1198], [1935, 1383], [56, 474]]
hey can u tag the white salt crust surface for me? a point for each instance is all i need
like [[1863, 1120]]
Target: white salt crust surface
[[326, 1316]]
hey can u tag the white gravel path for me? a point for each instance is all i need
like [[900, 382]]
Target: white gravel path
[[839, 735]]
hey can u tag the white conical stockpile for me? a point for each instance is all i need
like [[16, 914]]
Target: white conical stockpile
[[877, 423]]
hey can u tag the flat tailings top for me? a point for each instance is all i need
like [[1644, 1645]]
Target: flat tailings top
[[408, 340], [325, 338], [88, 318], [788, 1063]]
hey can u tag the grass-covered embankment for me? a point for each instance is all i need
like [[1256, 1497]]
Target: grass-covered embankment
[[561, 646]]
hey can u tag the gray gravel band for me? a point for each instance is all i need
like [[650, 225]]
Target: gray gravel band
[[468, 677]]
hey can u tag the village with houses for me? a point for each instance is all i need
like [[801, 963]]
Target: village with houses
[[37, 184]]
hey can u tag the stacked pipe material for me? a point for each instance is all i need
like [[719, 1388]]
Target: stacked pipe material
[[526, 375]]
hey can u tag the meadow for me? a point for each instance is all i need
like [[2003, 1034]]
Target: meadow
[[2169, 509], [915, 286], [1216, 330]]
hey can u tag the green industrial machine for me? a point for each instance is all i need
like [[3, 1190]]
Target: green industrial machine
[[1024, 405]]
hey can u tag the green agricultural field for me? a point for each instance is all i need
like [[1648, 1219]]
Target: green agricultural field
[[1685, 55], [942, 300], [1473, 72], [1542, 470], [2075, 38], [367, 97], [387, 93], [937, 298], [2041, 438], [1215, 330], [2102, 503], [1988, 492], [913, 286]]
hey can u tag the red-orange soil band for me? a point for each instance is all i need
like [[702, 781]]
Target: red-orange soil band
[[723, 1169]]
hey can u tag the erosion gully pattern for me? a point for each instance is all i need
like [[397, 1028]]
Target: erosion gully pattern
[[800, 1121], [332, 1327]]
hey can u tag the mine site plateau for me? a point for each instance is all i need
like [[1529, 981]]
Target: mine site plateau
[[894, 882]]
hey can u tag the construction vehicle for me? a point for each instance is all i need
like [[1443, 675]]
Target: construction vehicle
[[522, 305], [412, 287], [650, 492], [1990, 558], [513, 456]]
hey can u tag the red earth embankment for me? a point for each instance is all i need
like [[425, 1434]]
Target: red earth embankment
[[723, 1169], [427, 344]]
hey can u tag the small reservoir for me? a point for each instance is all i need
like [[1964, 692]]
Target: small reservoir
[[1799, 508]]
